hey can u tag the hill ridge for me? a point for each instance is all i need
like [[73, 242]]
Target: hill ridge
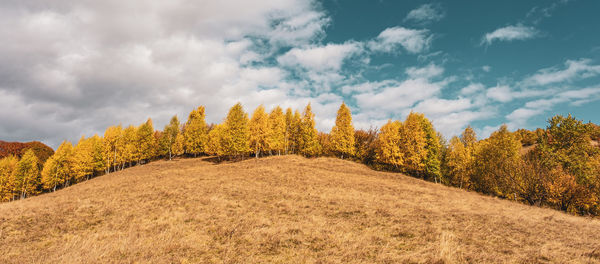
[[283, 209]]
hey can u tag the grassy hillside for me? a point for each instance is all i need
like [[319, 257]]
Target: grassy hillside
[[283, 209]]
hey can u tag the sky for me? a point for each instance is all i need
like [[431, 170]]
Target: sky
[[70, 68]]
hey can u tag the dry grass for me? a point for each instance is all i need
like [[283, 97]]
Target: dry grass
[[283, 210]]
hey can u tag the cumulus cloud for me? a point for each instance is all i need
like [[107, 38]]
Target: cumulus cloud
[[510, 33], [427, 72], [320, 58], [426, 13], [519, 117], [574, 70], [94, 64], [412, 40]]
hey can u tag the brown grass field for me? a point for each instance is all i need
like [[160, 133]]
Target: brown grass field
[[284, 209]]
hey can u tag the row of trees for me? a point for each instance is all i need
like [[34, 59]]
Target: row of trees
[[556, 166]]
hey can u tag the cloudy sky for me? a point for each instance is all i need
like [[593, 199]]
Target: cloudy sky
[[73, 67]]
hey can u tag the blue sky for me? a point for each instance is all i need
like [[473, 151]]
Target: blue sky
[[72, 68]]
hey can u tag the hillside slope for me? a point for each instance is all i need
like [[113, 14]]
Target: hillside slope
[[283, 209]]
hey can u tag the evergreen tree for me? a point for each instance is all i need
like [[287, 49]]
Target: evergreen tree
[[388, 145], [278, 130], [259, 131], [7, 181], [342, 134], [27, 175], [309, 140], [236, 135], [196, 132]]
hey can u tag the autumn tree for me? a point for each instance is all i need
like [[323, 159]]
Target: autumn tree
[[365, 142], [413, 145], [236, 135], [112, 142], [278, 130], [293, 123], [58, 169], [146, 142], [388, 145], [432, 161], [342, 133], [459, 163], [196, 132], [308, 136], [83, 160], [129, 145], [179, 145], [7, 181], [214, 145], [27, 175], [169, 135], [259, 131], [495, 161]]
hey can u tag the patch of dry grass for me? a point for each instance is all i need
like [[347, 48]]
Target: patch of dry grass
[[285, 210]]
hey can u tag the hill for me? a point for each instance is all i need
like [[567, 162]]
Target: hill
[[283, 209], [41, 150]]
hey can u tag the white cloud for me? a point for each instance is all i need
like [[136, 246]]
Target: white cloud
[[500, 93], [510, 33], [426, 72], [519, 117], [426, 13], [398, 96], [575, 69], [412, 40], [472, 89], [437, 106], [486, 68], [320, 58]]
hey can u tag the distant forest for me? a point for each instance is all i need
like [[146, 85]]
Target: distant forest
[[557, 167]]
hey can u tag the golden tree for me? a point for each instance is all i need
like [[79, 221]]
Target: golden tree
[[308, 138], [178, 146], [278, 130], [236, 135], [342, 134], [413, 144], [388, 145], [196, 132], [259, 131], [27, 175], [83, 160], [214, 145], [433, 148], [58, 169], [146, 142], [112, 141], [7, 181], [169, 135], [496, 160], [129, 145], [459, 162]]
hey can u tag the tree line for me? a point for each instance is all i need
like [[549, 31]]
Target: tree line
[[557, 167]]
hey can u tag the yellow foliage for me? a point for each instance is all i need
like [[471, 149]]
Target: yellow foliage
[[259, 131], [7, 181], [342, 134], [388, 145], [277, 123]]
